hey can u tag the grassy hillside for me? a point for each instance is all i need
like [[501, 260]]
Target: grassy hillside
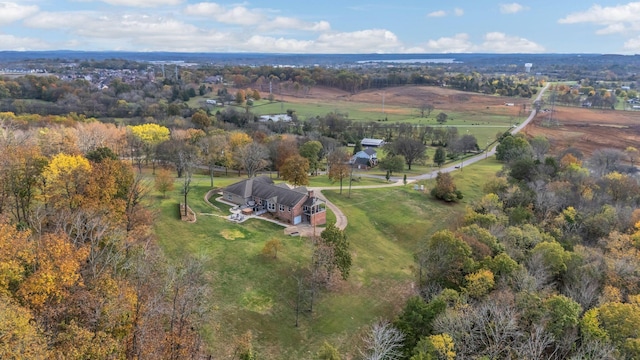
[[252, 292]]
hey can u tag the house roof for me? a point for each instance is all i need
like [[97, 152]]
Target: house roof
[[362, 154], [371, 142], [264, 188], [245, 187], [369, 151]]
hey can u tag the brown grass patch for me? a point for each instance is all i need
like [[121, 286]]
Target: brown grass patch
[[587, 129]]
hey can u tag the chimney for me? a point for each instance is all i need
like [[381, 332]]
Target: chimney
[[310, 193]]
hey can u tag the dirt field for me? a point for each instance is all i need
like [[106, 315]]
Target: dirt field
[[587, 129], [412, 97]]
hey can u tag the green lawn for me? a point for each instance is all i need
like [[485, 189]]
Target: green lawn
[[254, 292]]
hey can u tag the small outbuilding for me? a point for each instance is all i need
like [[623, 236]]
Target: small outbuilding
[[367, 142]]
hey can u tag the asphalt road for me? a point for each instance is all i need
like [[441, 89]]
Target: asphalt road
[[341, 219]]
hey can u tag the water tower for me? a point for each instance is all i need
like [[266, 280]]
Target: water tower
[[527, 67]]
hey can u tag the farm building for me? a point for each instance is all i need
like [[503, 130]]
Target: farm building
[[366, 142]]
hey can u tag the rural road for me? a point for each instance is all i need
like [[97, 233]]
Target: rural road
[[341, 219]]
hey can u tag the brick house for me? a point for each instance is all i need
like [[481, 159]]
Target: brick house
[[291, 205]]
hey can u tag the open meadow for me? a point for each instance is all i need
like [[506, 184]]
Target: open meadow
[[254, 292]]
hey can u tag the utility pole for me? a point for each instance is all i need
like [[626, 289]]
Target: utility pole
[[350, 181]]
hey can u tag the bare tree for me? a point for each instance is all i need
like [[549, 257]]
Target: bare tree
[[535, 346], [604, 161], [253, 157], [383, 342]]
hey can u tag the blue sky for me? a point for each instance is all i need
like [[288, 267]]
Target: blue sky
[[323, 26]]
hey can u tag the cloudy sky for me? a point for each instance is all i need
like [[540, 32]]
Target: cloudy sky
[[323, 26]]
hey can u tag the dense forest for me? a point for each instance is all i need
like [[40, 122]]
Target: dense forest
[[544, 266]]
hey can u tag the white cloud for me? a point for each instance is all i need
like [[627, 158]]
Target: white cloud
[[108, 31], [295, 24], [633, 45], [11, 12], [458, 12], [620, 19], [240, 15], [457, 44], [512, 8], [374, 40], [132, 32], [237, 15], [605, 15], [142, 3], [497, 42], [494, 42], [10, 42], [439, 13]]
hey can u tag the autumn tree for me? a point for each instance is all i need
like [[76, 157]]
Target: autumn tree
[[66, 177], [339, 168], [445, 188], [296, 170], [236, 141], [148, 136], [282, 148], [21, 179], [201, 120], [212, 152], [22, 338], [163, 181]]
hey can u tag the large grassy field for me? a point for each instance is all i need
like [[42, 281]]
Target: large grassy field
[[253, 292]]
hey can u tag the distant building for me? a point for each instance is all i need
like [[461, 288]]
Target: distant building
[[275, 118], [366, 142]]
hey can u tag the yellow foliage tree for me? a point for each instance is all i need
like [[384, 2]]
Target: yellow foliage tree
[[444, 346], [66, 177], [16, 255], [479, 283], [57, 268], [20, 338]]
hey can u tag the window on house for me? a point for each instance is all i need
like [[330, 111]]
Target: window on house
[[229, 197], [272, 206], [306, 208], [281, 207], [289, 209]]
